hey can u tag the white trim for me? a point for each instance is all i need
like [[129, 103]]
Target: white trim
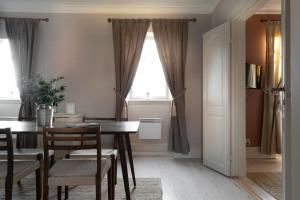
[[246, 8], [287, 136], [269, 12], [238, 99], [119, 7], [239, 16]]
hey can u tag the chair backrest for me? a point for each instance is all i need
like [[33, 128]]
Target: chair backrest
[[6, 144], [58, 138]]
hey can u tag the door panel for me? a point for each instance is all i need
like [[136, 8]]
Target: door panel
[[216, 102]]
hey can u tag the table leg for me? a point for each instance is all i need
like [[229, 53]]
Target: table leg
[[128, 145], [123, 165]]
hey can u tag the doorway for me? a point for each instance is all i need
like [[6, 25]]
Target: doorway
[[264, 103]]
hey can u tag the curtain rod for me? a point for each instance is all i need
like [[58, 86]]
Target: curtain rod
[[109, 20], [41, 19], [270, 20]]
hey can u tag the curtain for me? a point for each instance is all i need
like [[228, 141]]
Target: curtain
[[21, 34], [272, 119], [171, 36], [128, 38]]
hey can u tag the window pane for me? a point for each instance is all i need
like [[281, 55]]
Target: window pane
[[149, 82], [8, 86]]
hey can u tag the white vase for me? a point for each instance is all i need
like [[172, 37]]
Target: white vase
[[44, 115]]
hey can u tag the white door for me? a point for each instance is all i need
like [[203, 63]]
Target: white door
[[216, 99]]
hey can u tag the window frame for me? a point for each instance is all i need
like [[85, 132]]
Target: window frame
[[167, 97]]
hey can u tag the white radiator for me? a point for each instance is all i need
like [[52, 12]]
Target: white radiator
[[150, 129]]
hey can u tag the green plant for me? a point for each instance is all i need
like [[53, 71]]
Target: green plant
[[43, 92]]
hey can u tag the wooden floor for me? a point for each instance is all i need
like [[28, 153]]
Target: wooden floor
[[187, 179], [264, 165], [260, 165]]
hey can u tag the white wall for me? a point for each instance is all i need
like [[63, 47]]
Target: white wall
[[292, 144], [80, 47], [9, 108], [221, 13]]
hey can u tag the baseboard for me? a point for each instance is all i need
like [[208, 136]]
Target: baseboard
[[254, 152], [142, 149]]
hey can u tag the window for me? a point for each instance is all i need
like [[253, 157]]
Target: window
[[277, 60], [149, 82], [8, 84]]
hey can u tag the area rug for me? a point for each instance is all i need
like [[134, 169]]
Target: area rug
[[271, 182], [147, 189]]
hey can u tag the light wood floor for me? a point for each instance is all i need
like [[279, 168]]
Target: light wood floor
[[264, 165], [260, 165], [187, 179]]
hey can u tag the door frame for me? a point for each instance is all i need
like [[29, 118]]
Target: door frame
[[239, 15], [238, 91]]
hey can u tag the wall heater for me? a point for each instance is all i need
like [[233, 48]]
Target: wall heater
[[150, 129]]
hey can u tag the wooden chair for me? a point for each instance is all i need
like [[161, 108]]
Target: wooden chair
[[25, 153], [17, 170], [71, 172], [110, 153]]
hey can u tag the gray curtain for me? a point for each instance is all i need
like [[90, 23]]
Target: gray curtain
[[21, 34], [171, 36], [128, 37], [272, 119]]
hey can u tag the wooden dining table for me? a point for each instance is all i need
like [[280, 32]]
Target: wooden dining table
[[120, 129]]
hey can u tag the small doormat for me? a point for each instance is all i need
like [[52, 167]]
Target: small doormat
[[271, 182], [146, 189]]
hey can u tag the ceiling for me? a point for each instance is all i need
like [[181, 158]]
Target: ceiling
[[110, 6], [271, 7]]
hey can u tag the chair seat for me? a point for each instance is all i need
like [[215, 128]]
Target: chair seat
[[21, 170], [25, 154], [76, 172], [105, 153]]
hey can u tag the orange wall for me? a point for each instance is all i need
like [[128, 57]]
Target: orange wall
[[256, 54]]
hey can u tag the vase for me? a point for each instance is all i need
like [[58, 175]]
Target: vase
[[44, 115]]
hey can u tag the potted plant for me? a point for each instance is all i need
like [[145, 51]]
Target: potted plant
[[46, 95]]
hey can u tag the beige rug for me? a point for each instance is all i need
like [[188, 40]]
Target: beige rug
[[147, 189], [271, 182]]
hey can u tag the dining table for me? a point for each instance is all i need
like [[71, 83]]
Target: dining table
[[120, 129]]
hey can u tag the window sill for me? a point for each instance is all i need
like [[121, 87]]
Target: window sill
[[10, 101]]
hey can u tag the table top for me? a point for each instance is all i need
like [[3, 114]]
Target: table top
[[107, 127]]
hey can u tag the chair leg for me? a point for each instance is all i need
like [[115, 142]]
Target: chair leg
[[52, 161], [112, 159], [38, 183], [116, 170], [8, 191], [45, 192], [98, 189], [66, 192], [59, 192], [110, 183]]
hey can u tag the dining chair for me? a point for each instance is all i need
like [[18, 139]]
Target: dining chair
[[75, 172], [11, 171], [25, 153], [109, 153]]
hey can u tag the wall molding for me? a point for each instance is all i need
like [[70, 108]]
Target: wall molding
[[118, 7], [142, 149]]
